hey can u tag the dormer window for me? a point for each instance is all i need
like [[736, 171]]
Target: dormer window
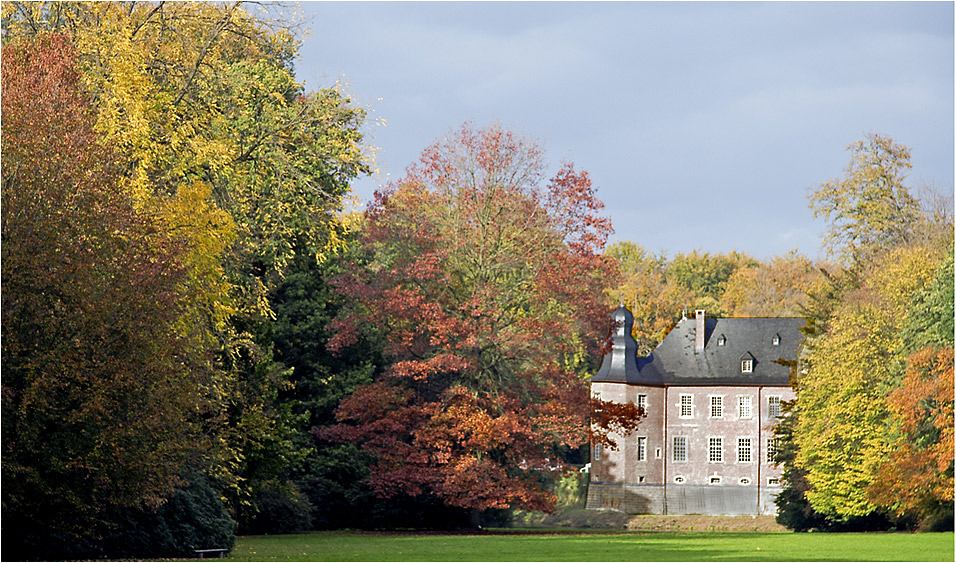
[[776, 340], [721, 340], [747, 365]]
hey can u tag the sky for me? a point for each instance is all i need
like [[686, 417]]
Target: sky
[[703, 125]]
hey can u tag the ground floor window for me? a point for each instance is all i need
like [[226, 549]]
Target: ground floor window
[[680, 448], [744, 450], [715, 450], [772, 445]]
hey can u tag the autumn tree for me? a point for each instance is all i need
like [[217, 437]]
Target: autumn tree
[[643, 287], [660, 290], [859, 336], [851, 369], [219, 142], [703, 276], [103, 393], [871, 209], [487, 284], [777, 288], [917, 478]]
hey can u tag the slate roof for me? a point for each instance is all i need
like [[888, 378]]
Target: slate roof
[[675, 361]]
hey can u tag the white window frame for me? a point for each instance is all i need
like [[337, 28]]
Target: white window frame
[[715, 449], [776, 340], [745, 406], [773, 481], [597, 452], [641, 402], [773, 406], [715, 480], [679, 449], [642, 448], [745, 449], [716, 406], [689, 404], [747, 365]]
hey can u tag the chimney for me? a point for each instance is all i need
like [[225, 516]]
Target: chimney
[[699, 333]]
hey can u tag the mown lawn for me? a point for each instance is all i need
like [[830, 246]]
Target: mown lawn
[[594, 546]]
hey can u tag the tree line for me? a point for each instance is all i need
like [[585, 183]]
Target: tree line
[[200, 340]]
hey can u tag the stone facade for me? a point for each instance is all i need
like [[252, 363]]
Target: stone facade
[[702, 448]]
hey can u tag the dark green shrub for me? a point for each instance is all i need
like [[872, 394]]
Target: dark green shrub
[[278, 508], [193, 518]]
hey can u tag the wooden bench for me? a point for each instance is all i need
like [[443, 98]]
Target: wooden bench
[[220, 552]]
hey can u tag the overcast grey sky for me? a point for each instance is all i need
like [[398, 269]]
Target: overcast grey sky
[[703, 125]]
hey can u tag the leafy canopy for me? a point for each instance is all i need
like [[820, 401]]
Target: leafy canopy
[[487, 284]]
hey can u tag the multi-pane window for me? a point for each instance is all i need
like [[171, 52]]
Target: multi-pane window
[[642, 403], [687, 406], [746, 365], [715, 450], [744, 407], [641, 448], [680, 448], [773, 406], [744, 450], [597, 452], [772, 447], [716, 406]]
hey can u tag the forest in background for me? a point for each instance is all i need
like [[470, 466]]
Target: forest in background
[[199, 340]]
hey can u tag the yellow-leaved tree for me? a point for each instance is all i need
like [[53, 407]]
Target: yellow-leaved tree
[[225, 148], [847, 420], [850, 370]]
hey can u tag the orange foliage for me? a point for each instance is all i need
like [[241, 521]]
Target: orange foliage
[[488, 289], [919, 473]]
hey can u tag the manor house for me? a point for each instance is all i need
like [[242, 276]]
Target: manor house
[[711, 391]]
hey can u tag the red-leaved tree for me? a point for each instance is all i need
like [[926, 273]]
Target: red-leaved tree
[[487, 281]]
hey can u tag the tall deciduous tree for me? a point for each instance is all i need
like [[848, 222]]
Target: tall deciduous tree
[[102, 390], [778, 288], [221, 144], [871, 208], [851, 368], [917, 478], [487, 284]]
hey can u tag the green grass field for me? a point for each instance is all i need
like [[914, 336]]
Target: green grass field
[[593, 546]]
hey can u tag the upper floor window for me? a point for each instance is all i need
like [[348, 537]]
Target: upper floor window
[[776, 340], [721, 340], [597, 452], [641, 448], [746, 365], [686, 406], [642, 402], [744, 407], [716, 406], [773, 406]]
